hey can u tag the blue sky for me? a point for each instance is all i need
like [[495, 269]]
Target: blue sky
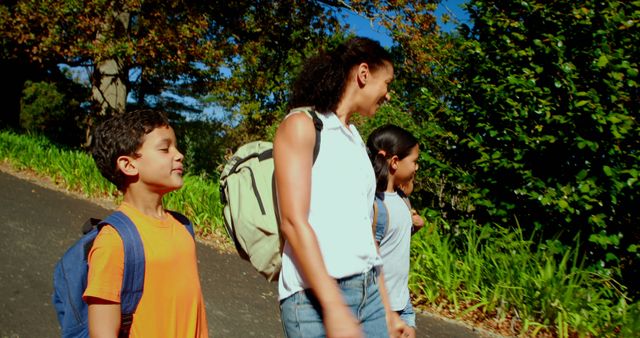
[[363, 27]]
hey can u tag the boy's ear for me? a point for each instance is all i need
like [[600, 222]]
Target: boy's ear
[[127, 165]]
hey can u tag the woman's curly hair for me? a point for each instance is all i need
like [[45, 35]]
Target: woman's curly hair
[[321, 81]]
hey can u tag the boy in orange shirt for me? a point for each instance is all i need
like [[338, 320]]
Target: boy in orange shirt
[[138, 152]]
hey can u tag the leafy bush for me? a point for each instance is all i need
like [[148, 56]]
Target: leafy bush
[[73, 169], [202, 145], [539, 126], [46, 109]]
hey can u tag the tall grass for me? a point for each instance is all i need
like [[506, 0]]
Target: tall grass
[[198, 199], [535, 287], [75, 170]]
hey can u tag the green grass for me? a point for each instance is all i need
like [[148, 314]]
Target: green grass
[[480, 271], [198, 199], [75, 170], [496, 273]]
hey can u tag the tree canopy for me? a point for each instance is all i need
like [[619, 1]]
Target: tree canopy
[[160, 45]]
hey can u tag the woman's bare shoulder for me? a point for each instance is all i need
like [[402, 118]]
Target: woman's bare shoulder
[[297, 125]]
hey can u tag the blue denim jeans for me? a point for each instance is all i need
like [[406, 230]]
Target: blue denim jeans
[[302, 316], [407, 314]]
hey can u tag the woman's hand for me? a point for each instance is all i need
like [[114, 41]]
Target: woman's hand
[[395, 325]]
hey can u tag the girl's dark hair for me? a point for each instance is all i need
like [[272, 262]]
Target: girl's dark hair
[[122, 135], [321, 81], [384, 143]]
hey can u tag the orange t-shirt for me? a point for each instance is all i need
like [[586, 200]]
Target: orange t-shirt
[[171, 304]]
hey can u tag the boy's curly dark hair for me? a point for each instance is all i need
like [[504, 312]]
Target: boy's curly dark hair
[[122, 135], [321, 82]]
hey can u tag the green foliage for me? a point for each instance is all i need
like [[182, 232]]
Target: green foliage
[[541, 286], [202, 145], [47, 110], [539, 125], [389, 113], [41, 105], [164, 38], [255, 93], [198, 199], [239, 53], [73, 169]]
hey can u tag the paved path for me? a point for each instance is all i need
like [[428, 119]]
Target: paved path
[[38, 224]]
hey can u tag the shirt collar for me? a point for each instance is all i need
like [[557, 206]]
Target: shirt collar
[[331, 121]]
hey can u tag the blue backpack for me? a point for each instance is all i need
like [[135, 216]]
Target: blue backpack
[[70, 275], [381, 216]]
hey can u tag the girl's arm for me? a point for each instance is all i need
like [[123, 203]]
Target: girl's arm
[[104, 318], [293, 159]]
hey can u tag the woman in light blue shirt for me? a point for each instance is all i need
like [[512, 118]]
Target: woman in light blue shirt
[[330, 283]]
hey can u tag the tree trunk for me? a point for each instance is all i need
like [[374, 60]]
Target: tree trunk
[[109, 87], [110, 78]]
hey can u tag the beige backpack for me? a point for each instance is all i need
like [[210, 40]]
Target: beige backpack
[[247, 192]]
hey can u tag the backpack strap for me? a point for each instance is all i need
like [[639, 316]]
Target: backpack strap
[[317, 123], [184, 220], [133, 275], [380, 219], [375, 219], [404, 198]]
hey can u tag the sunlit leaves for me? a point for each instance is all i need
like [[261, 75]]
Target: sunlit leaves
[[545, 118]]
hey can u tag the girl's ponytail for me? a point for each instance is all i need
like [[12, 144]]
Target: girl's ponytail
[[380, 167], [384, 143]]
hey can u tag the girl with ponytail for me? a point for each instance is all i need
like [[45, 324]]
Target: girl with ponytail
[[394, 154]]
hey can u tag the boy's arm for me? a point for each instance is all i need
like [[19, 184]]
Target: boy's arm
[[104, 282], [104, 318]]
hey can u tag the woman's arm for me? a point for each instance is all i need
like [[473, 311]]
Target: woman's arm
[[104, 318], [293, 159]]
